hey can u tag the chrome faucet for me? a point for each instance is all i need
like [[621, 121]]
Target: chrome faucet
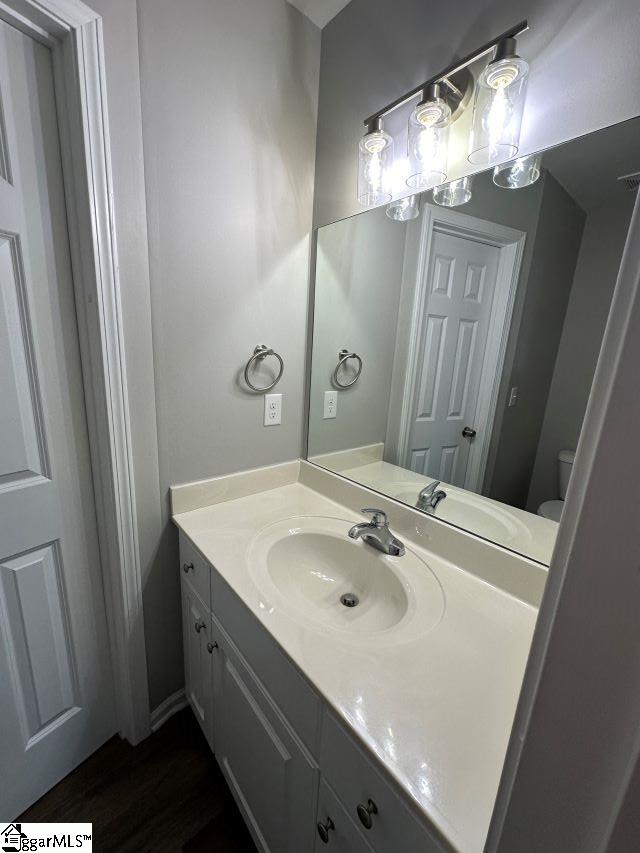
[[429, 498], [377, 534]]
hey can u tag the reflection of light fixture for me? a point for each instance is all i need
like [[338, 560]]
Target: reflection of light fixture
[[428, 140], [454, 193], [375, 155], [519, 173], [497, 110], [404, 209]]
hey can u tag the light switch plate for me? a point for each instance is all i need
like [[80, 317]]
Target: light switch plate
[[272, 409], [330, 409]]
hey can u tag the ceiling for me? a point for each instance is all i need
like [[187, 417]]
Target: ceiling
[[320, 11], [588, 167]]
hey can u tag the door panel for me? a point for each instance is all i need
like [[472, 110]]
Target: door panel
[[271, 776], [55, 667], [460, 284], [197, 659]]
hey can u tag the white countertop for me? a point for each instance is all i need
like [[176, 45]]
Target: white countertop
[[437, 709]]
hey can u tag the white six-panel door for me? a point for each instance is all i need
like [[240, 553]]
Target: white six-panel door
[[56, 691], [459, 290]]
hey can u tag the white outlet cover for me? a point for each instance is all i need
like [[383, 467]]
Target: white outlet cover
[[272, 409], [330, 408]]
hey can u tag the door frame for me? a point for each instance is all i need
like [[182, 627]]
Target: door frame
[[73, 32], [511, 244]]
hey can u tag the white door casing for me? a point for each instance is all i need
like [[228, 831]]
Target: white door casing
[[73, 33], [55, 670], [467, 276]]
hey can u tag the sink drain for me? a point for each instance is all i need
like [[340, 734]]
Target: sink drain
[[349, 599]]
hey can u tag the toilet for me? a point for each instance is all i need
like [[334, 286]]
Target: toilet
[[553, 509]]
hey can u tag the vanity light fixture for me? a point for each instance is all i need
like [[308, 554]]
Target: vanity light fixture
[[404, 209], [519, 173], [428, 140], [454, 193], [498, 104], [375, 158]]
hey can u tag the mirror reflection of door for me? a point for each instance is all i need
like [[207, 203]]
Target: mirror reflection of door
[[464, 296]]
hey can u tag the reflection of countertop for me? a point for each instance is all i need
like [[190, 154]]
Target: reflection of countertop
[[505, 525], [437, 708]]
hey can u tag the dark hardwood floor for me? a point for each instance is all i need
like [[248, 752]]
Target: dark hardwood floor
[[166, 794]]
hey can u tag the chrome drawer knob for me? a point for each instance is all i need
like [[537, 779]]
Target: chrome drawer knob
[[324, 829], [199, 625], [186, 567], [365, 813], [211, 647]]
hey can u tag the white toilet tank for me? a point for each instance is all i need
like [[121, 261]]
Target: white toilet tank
[[565, 464]]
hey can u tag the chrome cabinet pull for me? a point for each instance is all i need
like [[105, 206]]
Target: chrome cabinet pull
[[211, 647], [186, 567], [324, 829], [365, 813], [199, 625]]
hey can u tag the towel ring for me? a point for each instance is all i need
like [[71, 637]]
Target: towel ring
[[343, 357], [259, 354]]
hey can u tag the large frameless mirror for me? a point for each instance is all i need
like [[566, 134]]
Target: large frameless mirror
[[456, 335]]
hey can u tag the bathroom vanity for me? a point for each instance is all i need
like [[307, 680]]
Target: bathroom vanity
[[377, 727]]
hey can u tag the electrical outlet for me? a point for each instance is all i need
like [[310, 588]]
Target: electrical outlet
[[272, 409], [513, 397], [330, 404]]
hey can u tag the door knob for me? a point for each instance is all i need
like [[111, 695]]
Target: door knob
[[324, 829], [211, 647], [199, 625], [468, 432], [365, 813], [186, 568]]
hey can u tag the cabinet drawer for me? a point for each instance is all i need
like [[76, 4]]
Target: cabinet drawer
[[292, 693], [195, 569], [357, 782], [343, 836]]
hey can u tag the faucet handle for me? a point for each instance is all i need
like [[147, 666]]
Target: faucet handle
[[378, 516]]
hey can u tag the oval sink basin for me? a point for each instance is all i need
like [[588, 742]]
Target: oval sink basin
[[310, 567]]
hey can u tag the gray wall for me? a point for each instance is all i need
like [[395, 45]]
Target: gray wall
[[228, 92], [595, 277], [555, 252], [582, 53], [359, 270]]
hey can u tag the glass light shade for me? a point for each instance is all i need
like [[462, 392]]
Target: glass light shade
[[428, 144], [497, 111], [404, 209], [520, 173], [375, 157], [454, 193]]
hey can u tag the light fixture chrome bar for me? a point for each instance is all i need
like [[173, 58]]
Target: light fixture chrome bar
[[449, 72]]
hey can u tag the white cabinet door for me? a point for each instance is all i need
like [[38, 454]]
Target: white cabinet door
[[271, 775], [56, 684], [198, 648]]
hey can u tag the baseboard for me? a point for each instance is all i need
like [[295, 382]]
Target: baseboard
[[171, 705]]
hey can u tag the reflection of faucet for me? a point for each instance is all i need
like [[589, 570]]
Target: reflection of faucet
[[377, 534], [429, 498]]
